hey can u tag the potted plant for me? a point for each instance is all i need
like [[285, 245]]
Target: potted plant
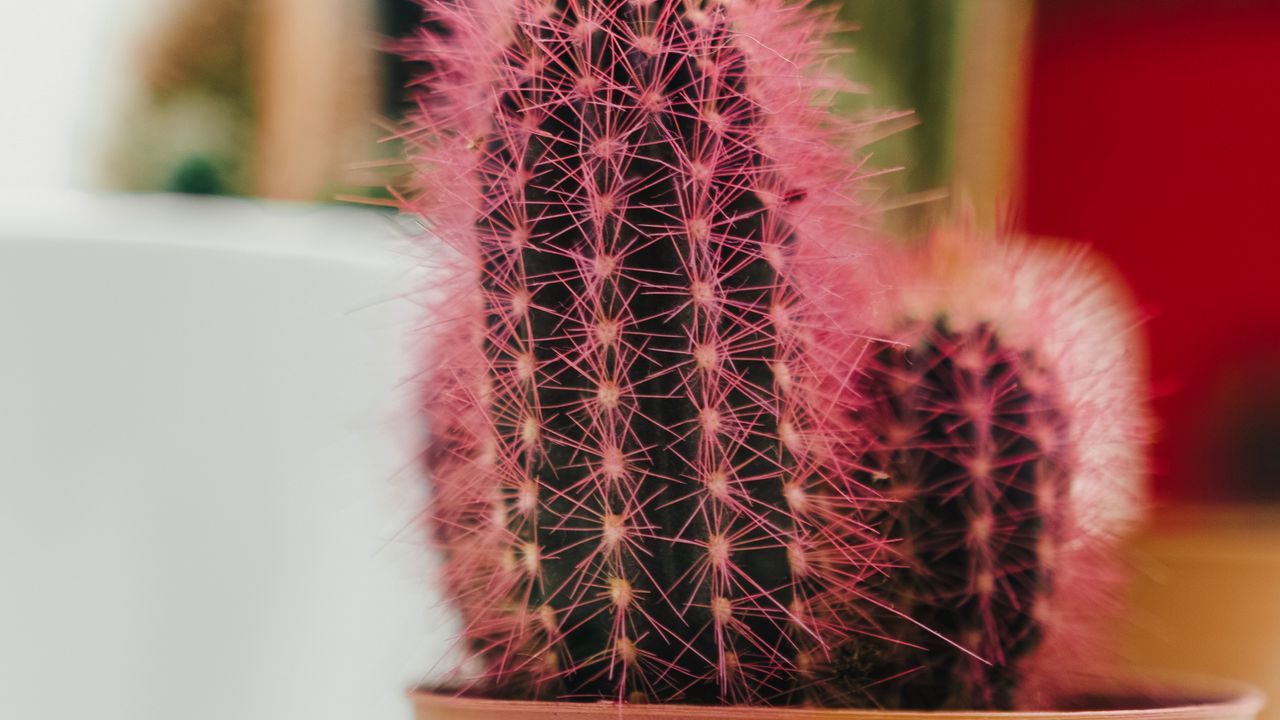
[[686, 460]]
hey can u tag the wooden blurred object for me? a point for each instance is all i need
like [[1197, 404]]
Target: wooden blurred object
[[195, 46], [1207, 595], [315, 67], [991, 104]]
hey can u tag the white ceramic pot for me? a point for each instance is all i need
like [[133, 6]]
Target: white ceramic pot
[[204, 505]]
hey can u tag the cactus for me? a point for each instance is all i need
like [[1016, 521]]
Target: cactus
[[972, 446], [985, 414], [637, 478]]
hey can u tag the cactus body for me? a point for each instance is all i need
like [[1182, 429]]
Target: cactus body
[[1004, 425], [630, 459], [972, 447]]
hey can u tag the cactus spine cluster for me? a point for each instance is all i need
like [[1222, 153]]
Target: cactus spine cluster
[[633, 476]]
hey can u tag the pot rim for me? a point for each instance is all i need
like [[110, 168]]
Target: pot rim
[[1190, 697]]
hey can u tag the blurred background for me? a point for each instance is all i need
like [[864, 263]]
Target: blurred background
[[1147, 128]]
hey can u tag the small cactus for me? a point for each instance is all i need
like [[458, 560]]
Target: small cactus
[[972, 451], [1004, 425], [636, 471]]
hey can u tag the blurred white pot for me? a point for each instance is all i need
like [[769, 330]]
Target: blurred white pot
[[204, 503]]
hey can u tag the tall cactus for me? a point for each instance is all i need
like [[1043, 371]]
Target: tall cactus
[[1004, 423], [636, 476]]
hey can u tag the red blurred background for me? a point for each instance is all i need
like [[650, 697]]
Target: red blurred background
[[1154, 132]]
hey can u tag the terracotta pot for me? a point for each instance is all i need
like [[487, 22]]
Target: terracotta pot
[[1184, 699]]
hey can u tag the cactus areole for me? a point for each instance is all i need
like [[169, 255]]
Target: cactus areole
[[632, 476]]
